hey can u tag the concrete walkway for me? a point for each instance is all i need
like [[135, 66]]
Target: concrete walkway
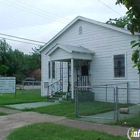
[[12, 121], [31, 105], [18, 119]]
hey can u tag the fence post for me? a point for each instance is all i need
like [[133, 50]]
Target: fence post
[[76, 101], [117, 117], [127, 91], [106, 97]]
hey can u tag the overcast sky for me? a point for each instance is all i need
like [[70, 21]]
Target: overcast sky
[[41, 19]]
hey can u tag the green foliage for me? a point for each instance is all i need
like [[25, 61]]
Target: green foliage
[[120, 22], [133, 17], [133, 13], [3, 69], [136, 54], [51, 131], [16, 63]]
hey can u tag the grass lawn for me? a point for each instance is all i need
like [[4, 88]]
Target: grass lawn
[[68, 109], [63, 109], [21, 97], [130, 122], [91, 108], [51, 131]]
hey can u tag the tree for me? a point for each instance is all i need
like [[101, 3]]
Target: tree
[[120, 22], [3, 69], [16, 63], [133, 16], [4, 50]]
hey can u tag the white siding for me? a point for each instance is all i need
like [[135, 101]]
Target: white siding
[[105, 43], [60, 54], [44, 73]]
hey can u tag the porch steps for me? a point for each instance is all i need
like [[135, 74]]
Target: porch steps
[[57, 97]]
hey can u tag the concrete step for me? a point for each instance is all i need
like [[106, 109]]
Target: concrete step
[[58, 97]]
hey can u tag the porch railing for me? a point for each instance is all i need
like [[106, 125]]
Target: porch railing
[[55, 87], [83, 81]]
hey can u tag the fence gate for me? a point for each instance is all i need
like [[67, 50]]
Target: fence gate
[[95, 102]]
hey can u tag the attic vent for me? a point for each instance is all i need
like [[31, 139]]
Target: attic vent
[[80, 30]]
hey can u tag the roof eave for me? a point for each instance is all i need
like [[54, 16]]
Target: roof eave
[[87, 20], [59, 33]]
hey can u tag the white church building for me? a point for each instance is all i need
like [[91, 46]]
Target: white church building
[[87, 52]]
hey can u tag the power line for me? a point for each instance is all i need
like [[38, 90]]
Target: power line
[[20, 41], [24, 23], [109, 7], [30, 11], [43, 10], [22, 38]]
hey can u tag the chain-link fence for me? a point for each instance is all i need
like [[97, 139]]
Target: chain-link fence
[[107, 102], [128, 105], [95, 101], [29, 87]]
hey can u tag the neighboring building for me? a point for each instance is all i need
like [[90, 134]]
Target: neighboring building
[[87, 52], [35, 74]]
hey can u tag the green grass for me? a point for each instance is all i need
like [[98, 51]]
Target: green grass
[[96, 107], [130, 122], [67, 109], [51, 131], [21, 97], [62, 109], [2, 114]]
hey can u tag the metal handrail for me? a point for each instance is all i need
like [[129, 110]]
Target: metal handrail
[[55, 87], [112, 84]]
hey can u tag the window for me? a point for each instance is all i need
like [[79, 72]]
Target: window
[[119, 66], [53, 69], [80, 30], [49, 69]]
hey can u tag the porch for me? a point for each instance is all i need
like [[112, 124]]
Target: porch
[[78, 61]]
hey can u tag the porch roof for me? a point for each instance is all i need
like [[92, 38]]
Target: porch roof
[[66, 52]]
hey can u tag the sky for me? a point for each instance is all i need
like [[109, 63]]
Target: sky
[[40, 20]]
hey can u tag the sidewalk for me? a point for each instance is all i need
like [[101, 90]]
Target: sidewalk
[[12, 121]]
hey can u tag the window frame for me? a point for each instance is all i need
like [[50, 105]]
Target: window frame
[[49, 69], [53, 69], [123, 77]]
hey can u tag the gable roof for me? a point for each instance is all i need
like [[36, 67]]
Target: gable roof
[[90, 21], [70, 49]]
